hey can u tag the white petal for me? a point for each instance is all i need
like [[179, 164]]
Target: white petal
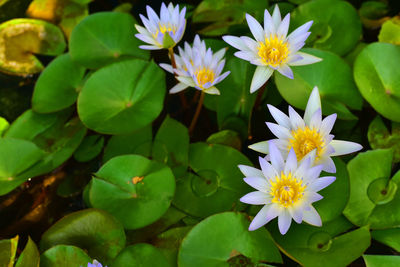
[[276, 157], [222, 77], [255, 28], [313, 104], [186, 80], [279, 131], [327, 124], [259, 183], [177, 88], [291, 162], [267, 169], [312, 196], [249, 171], [283, 27], [151, 14], [245, 55], [269, 27], [284, 221], [286, 71], [306, 59], [295, 119], [167, 67], [149, 47], [303, 168], [313, 173], [212, 91], [276, 17], [344, 147], [261, 76], [265, 215], [300, 30], [142, 30], [236, 42], [321, 183], [255, 198], [261, 147], [312, 217], [279, 116], [250, 43], [315, 121], [296, 213], [295, 44]]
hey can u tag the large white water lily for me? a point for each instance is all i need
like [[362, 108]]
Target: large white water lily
[[164, 31], [272, 49], [198, 67], [306, 134], [286, 188]]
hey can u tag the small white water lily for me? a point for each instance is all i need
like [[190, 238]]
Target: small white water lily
[[272, 49], [198, 67], [164, 31], [307, 134], [285, 188]]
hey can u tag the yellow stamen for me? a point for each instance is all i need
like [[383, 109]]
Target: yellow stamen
[[273, 51], [204, 76], [164, 28], [287, 190], [305, 140]]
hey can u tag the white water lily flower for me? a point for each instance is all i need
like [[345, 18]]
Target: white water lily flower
[[164, 31], [285, 188], [307, 134], [198, 67], [272, 49]]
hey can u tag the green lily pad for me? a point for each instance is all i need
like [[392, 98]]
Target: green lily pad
[[58, 85], [376, 73], [380, 137], [3, 125], [93, 46], [8, 249], [16, 157], [220, 237], [72, 15], [390, 31], [122, 97], [30, 256], [64, 256], [20, 39], [136, 190], [330, 245], [215, 185], [372, 194], [90, 148], [57, 137], [138, 142], [381, 260], [94, 230], [389, 237], [227, 138], [140, 255], [336, 27], [334, 80], [171, 144]]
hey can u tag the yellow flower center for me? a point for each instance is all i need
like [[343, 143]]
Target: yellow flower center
[[286, 190], [273, 51], [162, 28], [305, 140], [204, 76]]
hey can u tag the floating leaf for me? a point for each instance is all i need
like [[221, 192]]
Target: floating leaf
[[376, 73], [390, 31], [140, 255], [30, 256], [329, 245], [8, 249], [58, 85], [93, 230], [93, 46], [220, 237], [381, 260], [3, 125], [64, 256], [136, 190], [336, 27], [21, 38], [90, 148], [334, 80], [389, 237], [226, 137], [122, 97], [216, 183]]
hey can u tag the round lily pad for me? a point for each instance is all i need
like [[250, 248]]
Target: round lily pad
[[377, 74], [223, 236], [389, 237], [334, 79], [216, 183], [381, 260], [140, 255], [134, 189], [336, 27], [30, 255], [64, 256], [93, 230], [103, 38], [20, 39], [330, 245], [373, 194], [122, 97], [90, 148], [58, 85]]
